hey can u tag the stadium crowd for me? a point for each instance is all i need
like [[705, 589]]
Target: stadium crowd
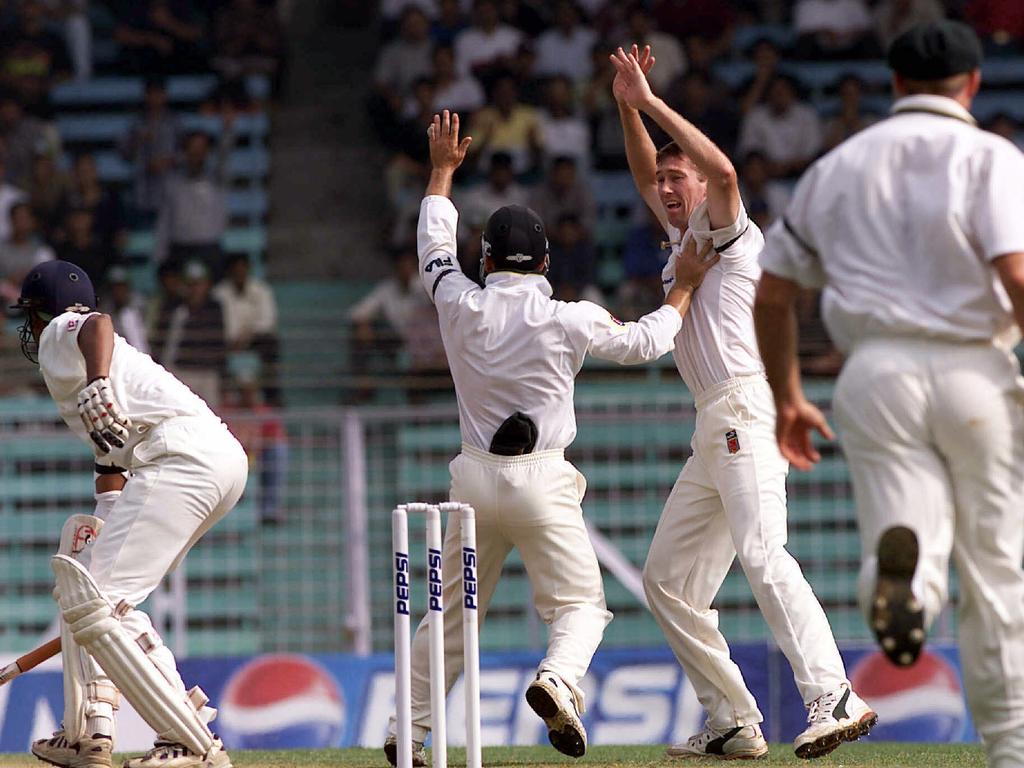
[[532, 81], [53, 203]]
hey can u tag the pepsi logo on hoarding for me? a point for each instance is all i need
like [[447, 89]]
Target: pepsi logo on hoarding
[[924, 702], [281, 701]]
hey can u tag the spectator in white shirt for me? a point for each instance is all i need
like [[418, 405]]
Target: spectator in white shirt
[[21, 251], [452, 90], [488, 43], [671, 56], [406, 58], [477, 203], [250, 319], [9, 195], [563, 132], [786, 130], [834, 29], [565, 48], [125, 308]]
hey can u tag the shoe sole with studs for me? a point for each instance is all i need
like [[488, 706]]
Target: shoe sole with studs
[[828, 743], [565, 734], [897, 618]]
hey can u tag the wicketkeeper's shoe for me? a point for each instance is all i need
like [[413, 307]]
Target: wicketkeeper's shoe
[[742, 742], [897, 617], [837, 716], [555, 703], [419, 756], [90, 752], [165, 754]]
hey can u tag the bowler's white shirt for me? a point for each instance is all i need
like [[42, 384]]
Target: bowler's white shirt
[[899, 226], [146, 392], [511, 347], [717, 342]]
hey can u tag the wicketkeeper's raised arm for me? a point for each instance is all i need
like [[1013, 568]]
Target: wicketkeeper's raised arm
[[632, 90]]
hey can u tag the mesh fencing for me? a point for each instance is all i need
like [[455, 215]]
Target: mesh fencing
[[303, 563]]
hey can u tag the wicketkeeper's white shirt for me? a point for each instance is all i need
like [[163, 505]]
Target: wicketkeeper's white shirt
[[511, 347], [145, 390], [717, 342], [899, 225]]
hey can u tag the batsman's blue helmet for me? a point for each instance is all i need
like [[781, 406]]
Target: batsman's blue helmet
[[55, 287], [50, 289]]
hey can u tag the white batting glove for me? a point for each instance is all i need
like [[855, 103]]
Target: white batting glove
[[106, 424]]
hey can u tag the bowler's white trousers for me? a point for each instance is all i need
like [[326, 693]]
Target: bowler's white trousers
[[188, 473], [934, 434], [729, 501], [532, 503]]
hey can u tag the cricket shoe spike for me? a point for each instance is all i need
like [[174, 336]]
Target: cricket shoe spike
[[832, 718], [165, 754], [89, 752], [419, 756], [897, 617], [741, 742], [555, 703]]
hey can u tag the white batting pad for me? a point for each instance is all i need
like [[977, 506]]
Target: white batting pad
[[90, 616], [78, 531]]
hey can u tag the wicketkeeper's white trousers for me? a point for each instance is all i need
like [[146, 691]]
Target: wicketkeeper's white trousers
[[189, 472], [934, 434], [532, 503], [729, 501]]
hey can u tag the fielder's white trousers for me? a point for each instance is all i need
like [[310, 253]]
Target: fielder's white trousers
[[729, 501], [934, 434], [188, 473], [532, 503]]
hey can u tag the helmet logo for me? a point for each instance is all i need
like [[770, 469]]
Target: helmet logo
[[518, 257]]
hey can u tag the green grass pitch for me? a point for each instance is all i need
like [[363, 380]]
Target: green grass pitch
[[876, 755]]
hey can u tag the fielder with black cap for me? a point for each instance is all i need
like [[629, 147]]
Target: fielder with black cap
[[913, 231], [186, 471], [514, 354]]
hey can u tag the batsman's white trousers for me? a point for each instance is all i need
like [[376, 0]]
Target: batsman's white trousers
[[188, 473], [532, 503], [729, 500], [934, 434]]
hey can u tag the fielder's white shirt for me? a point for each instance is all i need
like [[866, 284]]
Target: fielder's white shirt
[[146, 392], [512, 348], [899, 226], [717, 342]]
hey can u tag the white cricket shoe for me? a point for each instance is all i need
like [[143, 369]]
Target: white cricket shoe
[[419, 756], [742, 742], [555, 704], [837, 716], [87, 753], [165, 754]]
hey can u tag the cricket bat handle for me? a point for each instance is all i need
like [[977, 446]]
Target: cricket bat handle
[[29, 660]]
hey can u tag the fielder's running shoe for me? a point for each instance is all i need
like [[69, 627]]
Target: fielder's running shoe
[[90, 752], [837, 716], [742, 742], [555, 703], [165, 754], [419, 756], [897, 617]]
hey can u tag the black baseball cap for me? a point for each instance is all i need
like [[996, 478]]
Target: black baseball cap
[[935, 50], [514, 239]]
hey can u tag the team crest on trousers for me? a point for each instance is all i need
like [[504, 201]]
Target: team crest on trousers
[[732, 441]]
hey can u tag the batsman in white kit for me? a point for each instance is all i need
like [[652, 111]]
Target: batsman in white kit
[[185, 471], [913, 229], [514, 354], [730, 498]]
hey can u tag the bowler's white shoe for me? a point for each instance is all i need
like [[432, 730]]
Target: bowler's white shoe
[[164, 754], [419, 756], [742, 742], [555, 703], [837, 716], [87, 753]]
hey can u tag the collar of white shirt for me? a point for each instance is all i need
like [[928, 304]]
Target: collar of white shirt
[[518, 280], [937, 105]]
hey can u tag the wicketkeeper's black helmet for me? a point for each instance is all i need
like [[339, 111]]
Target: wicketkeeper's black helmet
[[514, 239]]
